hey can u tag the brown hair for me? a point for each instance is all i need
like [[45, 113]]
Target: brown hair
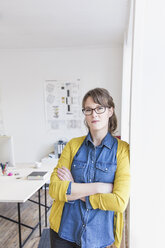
[[102, 97]]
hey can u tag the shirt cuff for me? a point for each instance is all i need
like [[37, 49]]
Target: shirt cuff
[[69, 192], [69, 189], [88, 204]]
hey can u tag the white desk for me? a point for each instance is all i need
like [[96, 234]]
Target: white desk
[[19, 189]]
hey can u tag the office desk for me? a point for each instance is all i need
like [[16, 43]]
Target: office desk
[[18, 189]]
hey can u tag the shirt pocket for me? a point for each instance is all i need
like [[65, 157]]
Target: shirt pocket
[[105, 172], [78, 171]]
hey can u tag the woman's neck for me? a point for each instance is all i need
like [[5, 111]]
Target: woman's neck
[[97, 137]]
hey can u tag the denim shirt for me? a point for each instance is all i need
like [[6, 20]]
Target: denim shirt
[[80, 223]]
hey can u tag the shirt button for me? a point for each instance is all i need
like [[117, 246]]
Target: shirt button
[[83, 225], [87, 209], [90, 180], [106, 169], [92, 162]]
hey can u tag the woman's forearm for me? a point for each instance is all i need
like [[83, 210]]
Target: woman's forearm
[[79, 190]]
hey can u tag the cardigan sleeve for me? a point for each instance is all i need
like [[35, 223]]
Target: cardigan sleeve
[[118, 200], [57, 188]]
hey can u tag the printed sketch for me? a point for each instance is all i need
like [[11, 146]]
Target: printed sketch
[[63, 104]]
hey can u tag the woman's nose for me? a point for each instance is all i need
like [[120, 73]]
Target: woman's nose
[[94, 113]]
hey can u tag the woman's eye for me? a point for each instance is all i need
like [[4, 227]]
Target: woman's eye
[[88, 110], [100, 108]]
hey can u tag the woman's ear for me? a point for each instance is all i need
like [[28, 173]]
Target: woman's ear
[[110, 112]]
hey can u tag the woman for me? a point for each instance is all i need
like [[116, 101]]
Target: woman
[[90, 185]]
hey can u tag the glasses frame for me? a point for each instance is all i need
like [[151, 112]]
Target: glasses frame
[[94, 109]]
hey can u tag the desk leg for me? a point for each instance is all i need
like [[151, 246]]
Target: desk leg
[[45, 206], [19, 225], [39, 201]]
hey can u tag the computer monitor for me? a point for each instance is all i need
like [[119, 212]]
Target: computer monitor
[[7, 150]]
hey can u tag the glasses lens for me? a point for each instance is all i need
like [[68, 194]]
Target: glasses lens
[[87, 111], [100, 110]]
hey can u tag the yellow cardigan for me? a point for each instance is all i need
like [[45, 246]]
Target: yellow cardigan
[[116, 201]]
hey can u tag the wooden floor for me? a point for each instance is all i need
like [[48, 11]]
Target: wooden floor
[[29, 215]]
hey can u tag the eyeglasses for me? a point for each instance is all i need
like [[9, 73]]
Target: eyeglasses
[[98, 110]]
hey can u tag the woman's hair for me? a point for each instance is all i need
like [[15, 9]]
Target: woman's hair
[[102, 97]]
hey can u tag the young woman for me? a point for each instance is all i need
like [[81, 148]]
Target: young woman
[[90, 185]]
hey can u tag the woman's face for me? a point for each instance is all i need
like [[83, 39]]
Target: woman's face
[[97, 122]]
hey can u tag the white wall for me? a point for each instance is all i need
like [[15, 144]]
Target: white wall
[[126, 79], [22, 77], [126, 87], [147, 202]]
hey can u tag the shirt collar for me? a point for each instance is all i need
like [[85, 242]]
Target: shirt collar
[[88, 139], [107, 141]]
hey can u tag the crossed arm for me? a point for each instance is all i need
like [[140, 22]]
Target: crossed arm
[[81, 190]]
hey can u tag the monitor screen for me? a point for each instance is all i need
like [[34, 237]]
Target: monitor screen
[[6, 150]]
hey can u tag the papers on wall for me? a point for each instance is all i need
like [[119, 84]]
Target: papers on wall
[[63, 104]]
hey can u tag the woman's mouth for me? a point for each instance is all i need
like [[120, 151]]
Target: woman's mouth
[[95, 121]]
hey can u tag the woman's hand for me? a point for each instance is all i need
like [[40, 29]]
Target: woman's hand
[[64, 174]]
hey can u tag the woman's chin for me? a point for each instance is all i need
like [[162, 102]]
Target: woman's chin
[[95, 128]]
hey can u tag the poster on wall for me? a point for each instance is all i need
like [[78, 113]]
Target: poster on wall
[[62, 104]]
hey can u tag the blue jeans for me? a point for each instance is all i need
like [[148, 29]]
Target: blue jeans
[[57, 242]]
